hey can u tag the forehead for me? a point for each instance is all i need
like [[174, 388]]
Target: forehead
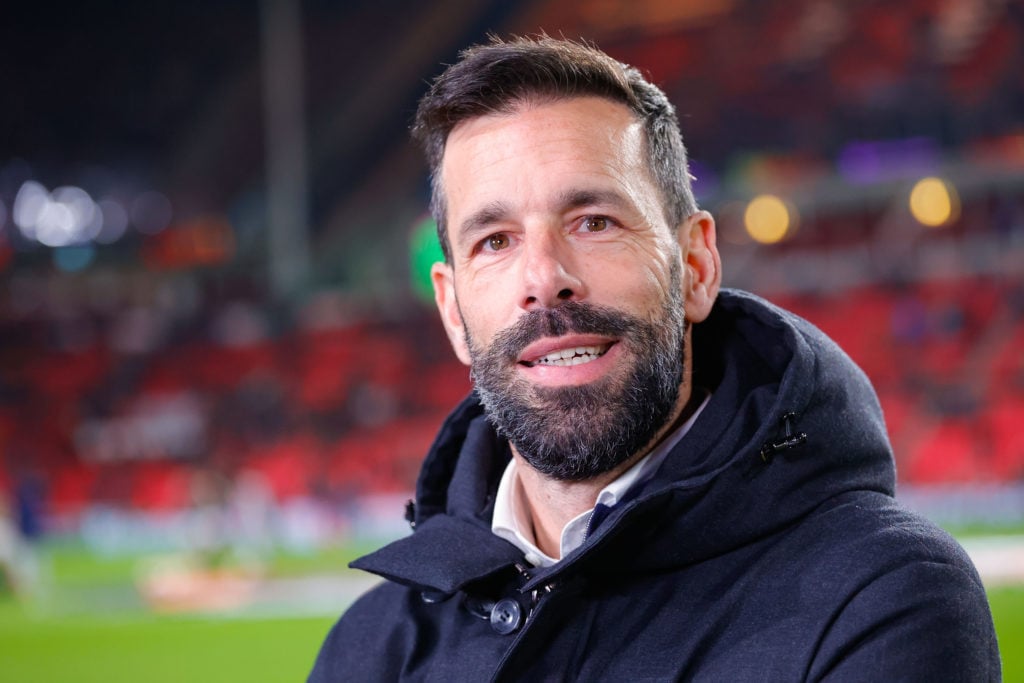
[[575, 136], [563, 118]]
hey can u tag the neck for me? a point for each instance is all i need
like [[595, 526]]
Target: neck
[[552, 503]]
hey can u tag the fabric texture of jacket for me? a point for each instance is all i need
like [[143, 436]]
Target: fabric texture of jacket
[[768, 547]]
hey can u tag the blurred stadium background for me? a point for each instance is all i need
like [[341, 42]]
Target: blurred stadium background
[[219, 363]]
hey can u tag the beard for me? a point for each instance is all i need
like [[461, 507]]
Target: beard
[[573, 433]]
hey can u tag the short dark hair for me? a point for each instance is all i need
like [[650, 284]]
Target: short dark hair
[[499, 76]]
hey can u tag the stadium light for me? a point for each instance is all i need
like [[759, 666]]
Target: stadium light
[[61, 218], [151, 212], [768, 219], [115, 221], [66, 216], [934, 202]]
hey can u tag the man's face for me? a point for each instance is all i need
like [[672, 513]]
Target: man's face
[[566, 287]]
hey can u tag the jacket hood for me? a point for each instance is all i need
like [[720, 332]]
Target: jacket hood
[[791, 423]]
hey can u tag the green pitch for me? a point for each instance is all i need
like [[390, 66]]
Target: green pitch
[[89, 623], [156, 649], [109, 636], [1008, 613]]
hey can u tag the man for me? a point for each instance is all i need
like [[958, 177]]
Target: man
[[653, 480]]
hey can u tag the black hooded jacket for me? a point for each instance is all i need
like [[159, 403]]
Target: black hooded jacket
[[768, 547]]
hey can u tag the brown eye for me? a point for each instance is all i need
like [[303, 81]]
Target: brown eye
[[497, 242], [595, 223]]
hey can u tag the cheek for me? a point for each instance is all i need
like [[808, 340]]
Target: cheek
[[634, 278], [479, 315]]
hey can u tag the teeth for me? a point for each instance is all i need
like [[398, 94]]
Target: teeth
[[574, 356]]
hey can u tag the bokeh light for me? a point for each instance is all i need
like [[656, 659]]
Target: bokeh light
[[74, 259], [768, 219], [28, 205], [64, 217], [115, 221], [934, 202], [151, 212], [424, 252]]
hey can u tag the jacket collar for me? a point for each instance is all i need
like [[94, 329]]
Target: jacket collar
[[444, 554], [452, 544]]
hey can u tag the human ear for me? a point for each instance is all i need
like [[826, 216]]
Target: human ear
[[443, 279], [698, 242]]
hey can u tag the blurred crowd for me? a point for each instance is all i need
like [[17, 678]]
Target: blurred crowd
[[231, 410]]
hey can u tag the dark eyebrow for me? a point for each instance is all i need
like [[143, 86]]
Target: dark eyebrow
[[574, 199], [483, 218]]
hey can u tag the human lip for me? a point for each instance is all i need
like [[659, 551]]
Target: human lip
[[565, 351]]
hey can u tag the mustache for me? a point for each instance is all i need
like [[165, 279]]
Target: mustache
[[569, 317]]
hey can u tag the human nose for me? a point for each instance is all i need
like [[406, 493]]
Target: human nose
[[548, 273]]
